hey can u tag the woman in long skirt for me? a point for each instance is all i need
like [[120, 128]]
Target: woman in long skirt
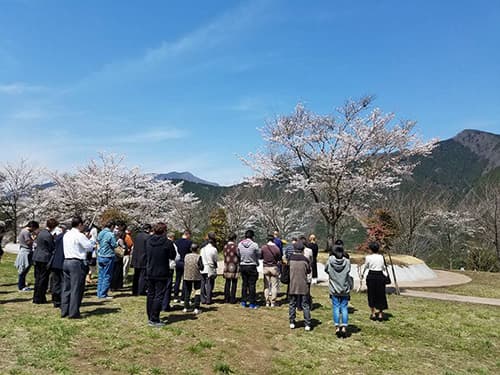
[[375, 282]]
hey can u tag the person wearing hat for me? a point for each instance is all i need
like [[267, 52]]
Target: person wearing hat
[[209, 257]]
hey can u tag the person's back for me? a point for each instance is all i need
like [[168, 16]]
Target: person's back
[[249, 252], [183, 247], [299, 286], [139, 253], [159, 251], [338, 272], [271, 254], [191, 270], [340, 283]]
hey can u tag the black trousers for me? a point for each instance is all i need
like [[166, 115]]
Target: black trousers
[[56, 283], [179, 284], [74, 272], [139, 282], [314, 267], [168, 292], [207, 288], [42, 274], [189, 285], [156, 293], [249, 275], [230, 290]]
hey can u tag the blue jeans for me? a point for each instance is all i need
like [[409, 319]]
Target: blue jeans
[[105, 273], [339, 304]]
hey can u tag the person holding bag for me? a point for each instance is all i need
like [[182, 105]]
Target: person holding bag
[[375, 282]]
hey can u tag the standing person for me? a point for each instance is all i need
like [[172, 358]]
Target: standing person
[[271, 256], [168, 289], [127, 255], [76, 246], [209, 257], [315, 250], [2, 233], [159, 252], [105, 259], [249, 254], [56, 267], [92, 257], [231, 269], [338, 267], [375, 282], [299, 286], [277, 241], [24, 257], [339, 246], [117, 276], [139, 261], [42, 255], [192, 279], [183, 247]]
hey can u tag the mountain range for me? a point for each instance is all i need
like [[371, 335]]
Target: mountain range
[[456, 165]]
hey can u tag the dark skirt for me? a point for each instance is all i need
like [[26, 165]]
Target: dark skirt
[[117, 277], [375, 282]]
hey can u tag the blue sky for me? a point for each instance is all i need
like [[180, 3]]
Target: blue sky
[[185, 85]]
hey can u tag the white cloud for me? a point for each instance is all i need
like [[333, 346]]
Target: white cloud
[[153, 135], [19, 88]]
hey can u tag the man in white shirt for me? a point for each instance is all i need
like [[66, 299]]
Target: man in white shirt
[[76, 246]]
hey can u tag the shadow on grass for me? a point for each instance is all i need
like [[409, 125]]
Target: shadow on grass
[[388, 316], [11, 284], [352, 329], [101, 311], [6, 291], [92, 303], [351, 310], [14, 300]]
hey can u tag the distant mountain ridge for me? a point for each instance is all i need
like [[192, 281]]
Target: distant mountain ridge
[[483, 144], [184, 176]]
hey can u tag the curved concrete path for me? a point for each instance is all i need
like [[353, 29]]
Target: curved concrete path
[[451, 297]]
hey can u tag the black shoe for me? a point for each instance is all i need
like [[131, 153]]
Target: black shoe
[[373, 317], [380, 318], [343, 333], [338, 333]]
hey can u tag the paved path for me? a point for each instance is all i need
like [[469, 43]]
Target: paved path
[[451, 297]]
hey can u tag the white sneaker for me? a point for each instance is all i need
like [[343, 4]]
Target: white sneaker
[[268, 304], [196, 311], [292, 325], [184, 310], [273, 305], [308, 328], [314, 281]]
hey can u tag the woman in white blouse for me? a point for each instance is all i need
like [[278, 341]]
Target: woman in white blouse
[[375, 282]]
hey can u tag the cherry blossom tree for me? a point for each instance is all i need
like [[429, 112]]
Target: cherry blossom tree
[[240, 212], [17, 184], [106, 184], [339, 160]]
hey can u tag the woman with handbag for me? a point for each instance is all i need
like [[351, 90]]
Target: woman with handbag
[[376, 282]]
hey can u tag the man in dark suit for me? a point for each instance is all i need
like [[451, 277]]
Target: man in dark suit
[[139, 261], [42, 256]]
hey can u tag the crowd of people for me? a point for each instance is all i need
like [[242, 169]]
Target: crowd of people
[[169, 270]]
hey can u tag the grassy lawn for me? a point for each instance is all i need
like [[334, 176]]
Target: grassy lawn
[[420, 337], [483, 284]]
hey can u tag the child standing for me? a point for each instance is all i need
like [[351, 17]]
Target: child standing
[[192, 279], [340, 283]]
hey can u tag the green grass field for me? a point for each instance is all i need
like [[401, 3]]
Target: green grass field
[[420, 337]]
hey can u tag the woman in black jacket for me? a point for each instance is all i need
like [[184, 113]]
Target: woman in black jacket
[[159, 251]]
